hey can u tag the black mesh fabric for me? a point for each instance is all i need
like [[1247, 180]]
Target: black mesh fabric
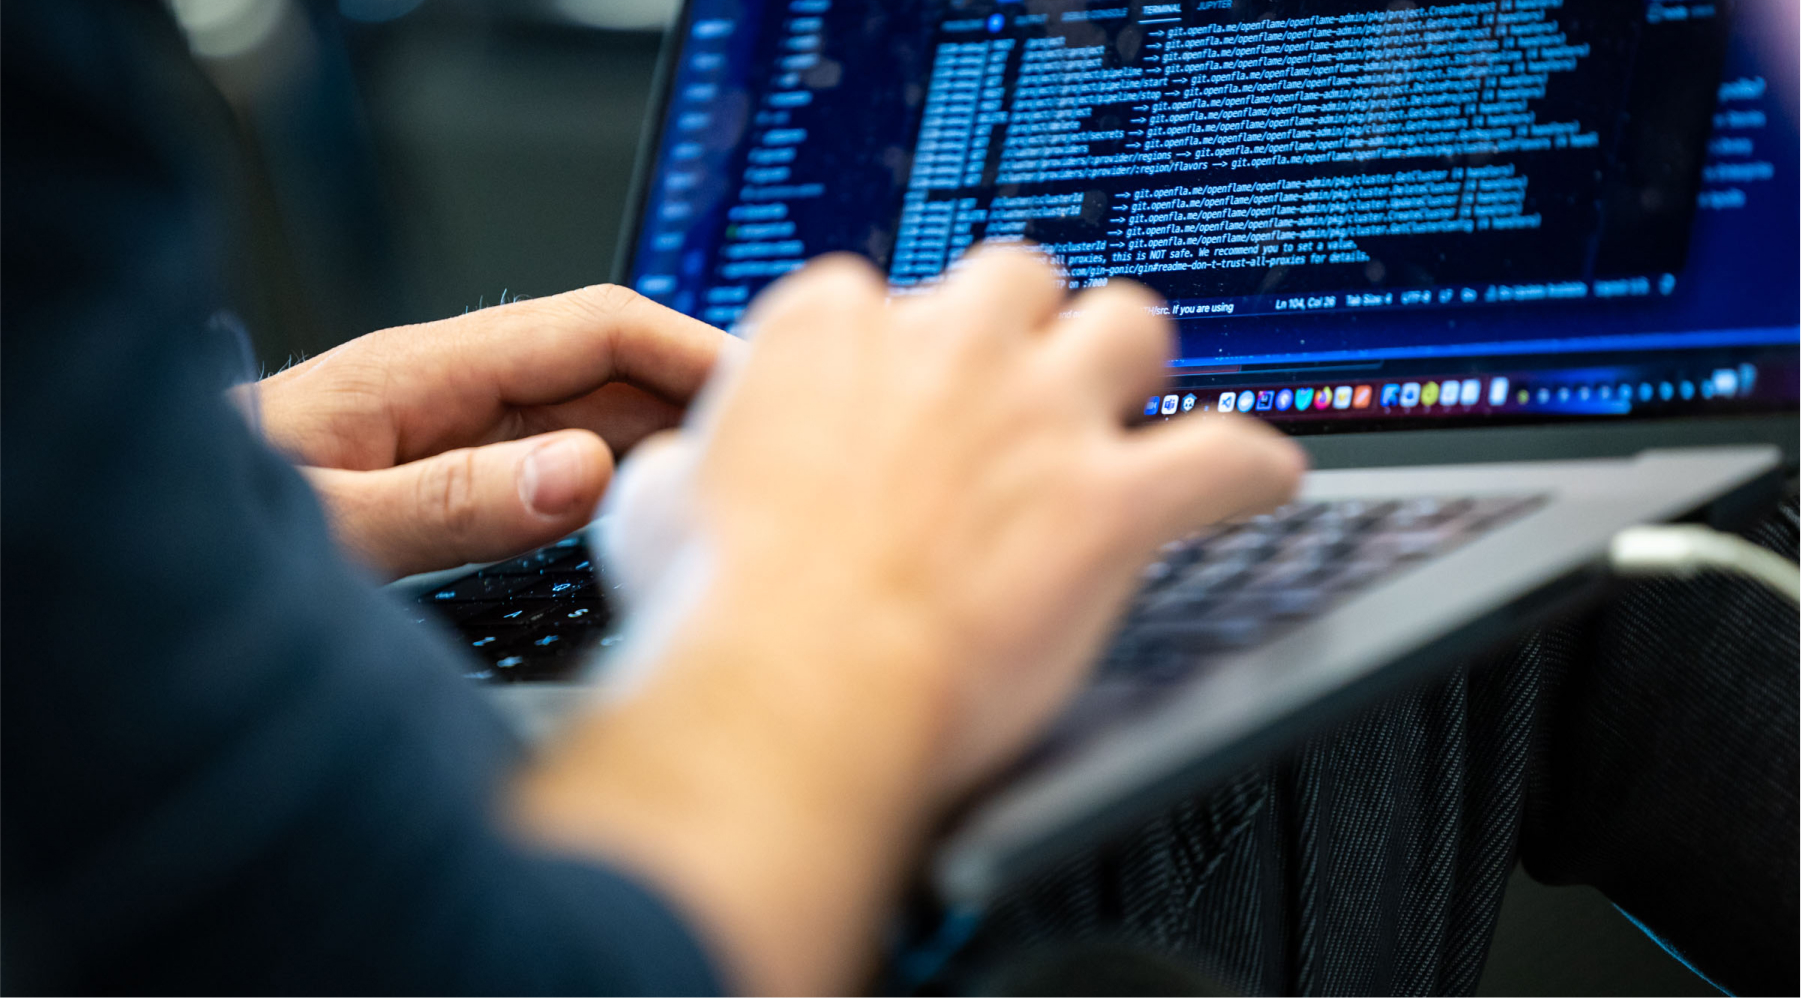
[[1647, 747], [1664, 768]]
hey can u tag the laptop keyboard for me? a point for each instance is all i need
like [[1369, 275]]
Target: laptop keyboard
[[528, 619], [1224, 589], [1239, 585]]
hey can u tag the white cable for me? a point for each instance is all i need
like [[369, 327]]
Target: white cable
[[1683, 550]]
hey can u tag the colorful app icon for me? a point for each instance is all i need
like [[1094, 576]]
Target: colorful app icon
[[1686, 389], [1246, 401], [1341, 397], [1322, 400], [1228, 402], [1666, 391], [1497, 391], [1583, 393], [1410, 394], [1284, 399], [1303, 399], [1360, 396], [1544, 395], [1725, 382], [1447, 393], [1429, 393], [1188, 402], [1644, 391], [1472, 391], [1524, 396], [1391, 395], [1563, 394], [1169, 404], [1150, 408], [1266, 399]]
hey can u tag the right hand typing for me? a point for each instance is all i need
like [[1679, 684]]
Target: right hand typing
[[914, 523]]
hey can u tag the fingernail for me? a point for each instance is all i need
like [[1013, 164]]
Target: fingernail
[[551, 478]]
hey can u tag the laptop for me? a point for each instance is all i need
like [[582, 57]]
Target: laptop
[[1518, 273]]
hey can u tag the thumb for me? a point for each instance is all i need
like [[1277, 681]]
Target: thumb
[[468, 505]]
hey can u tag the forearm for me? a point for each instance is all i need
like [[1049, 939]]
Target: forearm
[[771, 776]]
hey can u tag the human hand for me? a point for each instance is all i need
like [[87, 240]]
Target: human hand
[[917, 522], [480, 436]]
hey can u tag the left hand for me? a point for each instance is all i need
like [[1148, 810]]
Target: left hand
[[477, 437]]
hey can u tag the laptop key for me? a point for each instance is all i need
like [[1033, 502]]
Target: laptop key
[[1200, 587], [561, 585], [551, 644], [1205, 634], [584, 614], [1287, 569], [535, 562], [1324, 541], [1354, 574], [546, 669], [468, 612], [480, 640], [477, 587], [1297, 602], [1249, 540], [518, 612]]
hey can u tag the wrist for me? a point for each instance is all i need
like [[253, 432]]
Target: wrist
[[774, 774], [862, 686]]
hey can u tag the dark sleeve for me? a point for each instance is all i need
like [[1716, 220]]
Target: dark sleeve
[[229, 762]]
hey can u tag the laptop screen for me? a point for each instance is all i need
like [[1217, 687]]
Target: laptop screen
[[1363, 214]]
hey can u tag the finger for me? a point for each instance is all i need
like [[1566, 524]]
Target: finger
[[1001, 288], [1114, 345], [547, 350], [621, 414], [1188, 473], [830, 295], [816, 317], [649, 514], [470, 505]]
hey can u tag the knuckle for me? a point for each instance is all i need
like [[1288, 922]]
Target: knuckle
[[1153, 343], [1014, 266], [841, 277], [1270, 462], [841, 266], [603, 300], [835, 293], [1290, 463], [1130, 308], [448, 488], [1137, 296]]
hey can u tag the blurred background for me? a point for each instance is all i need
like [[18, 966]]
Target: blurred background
[[404, 160]]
